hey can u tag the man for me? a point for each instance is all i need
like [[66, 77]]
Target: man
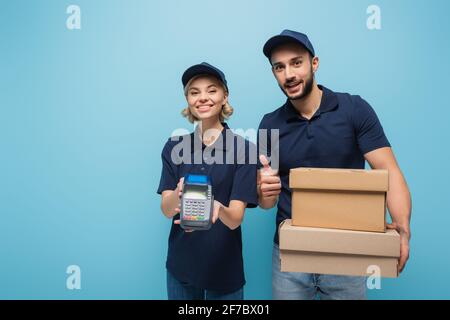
[[324, 129]]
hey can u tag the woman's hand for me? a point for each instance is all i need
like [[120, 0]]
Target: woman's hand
[[216, 211], [170, 204], [217, 206], [180, 187], [179, 190]]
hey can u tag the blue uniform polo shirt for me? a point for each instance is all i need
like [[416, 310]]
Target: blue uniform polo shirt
[[210, 259], [342, 130]]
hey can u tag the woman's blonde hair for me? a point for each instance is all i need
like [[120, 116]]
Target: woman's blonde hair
[[227, 109]]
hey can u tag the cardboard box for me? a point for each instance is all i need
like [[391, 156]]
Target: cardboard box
[[348, 199], [341, 252]]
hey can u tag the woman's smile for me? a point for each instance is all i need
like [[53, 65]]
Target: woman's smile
[[204, 107]]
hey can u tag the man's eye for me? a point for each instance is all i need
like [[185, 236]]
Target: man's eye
[[297, 63], [278, 68]]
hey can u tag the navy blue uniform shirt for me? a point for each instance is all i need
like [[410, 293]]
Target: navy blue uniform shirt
[[210, 259], [343, 129]]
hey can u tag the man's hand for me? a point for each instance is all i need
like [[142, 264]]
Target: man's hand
[[398, 198], [269, 184], [404, 245]]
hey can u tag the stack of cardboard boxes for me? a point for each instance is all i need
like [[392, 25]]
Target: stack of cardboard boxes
[[338, 224]]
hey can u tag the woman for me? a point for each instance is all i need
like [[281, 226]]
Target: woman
[[207, 264]]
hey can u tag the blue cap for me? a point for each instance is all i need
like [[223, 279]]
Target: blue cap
[[285, 37], [203, 68]]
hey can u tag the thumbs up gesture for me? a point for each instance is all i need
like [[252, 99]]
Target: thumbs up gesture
[[269, 183]]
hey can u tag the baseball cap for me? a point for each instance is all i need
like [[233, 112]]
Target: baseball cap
[[203, 68], [287, 36]]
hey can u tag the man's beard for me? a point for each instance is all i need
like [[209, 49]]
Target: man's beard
[[307, 88]]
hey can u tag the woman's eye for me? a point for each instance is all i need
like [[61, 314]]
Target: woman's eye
[[212, 91], [194, 93]]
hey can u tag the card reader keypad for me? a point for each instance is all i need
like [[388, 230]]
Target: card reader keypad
[[194, 210]]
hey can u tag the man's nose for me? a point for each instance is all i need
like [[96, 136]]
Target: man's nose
[[289, 73]]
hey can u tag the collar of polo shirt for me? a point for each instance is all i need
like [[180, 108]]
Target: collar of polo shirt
[[219, 144], [328, 103]]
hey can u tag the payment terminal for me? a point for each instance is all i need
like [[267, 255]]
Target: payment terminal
[[196, 203]]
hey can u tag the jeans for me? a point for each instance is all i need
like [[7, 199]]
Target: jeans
[[310, 286], [177, 290]]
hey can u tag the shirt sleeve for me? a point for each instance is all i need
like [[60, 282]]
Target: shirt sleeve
[[244, 182], [169, 173], [369, 132]]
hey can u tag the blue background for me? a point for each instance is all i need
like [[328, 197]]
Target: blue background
[[85, 113]]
